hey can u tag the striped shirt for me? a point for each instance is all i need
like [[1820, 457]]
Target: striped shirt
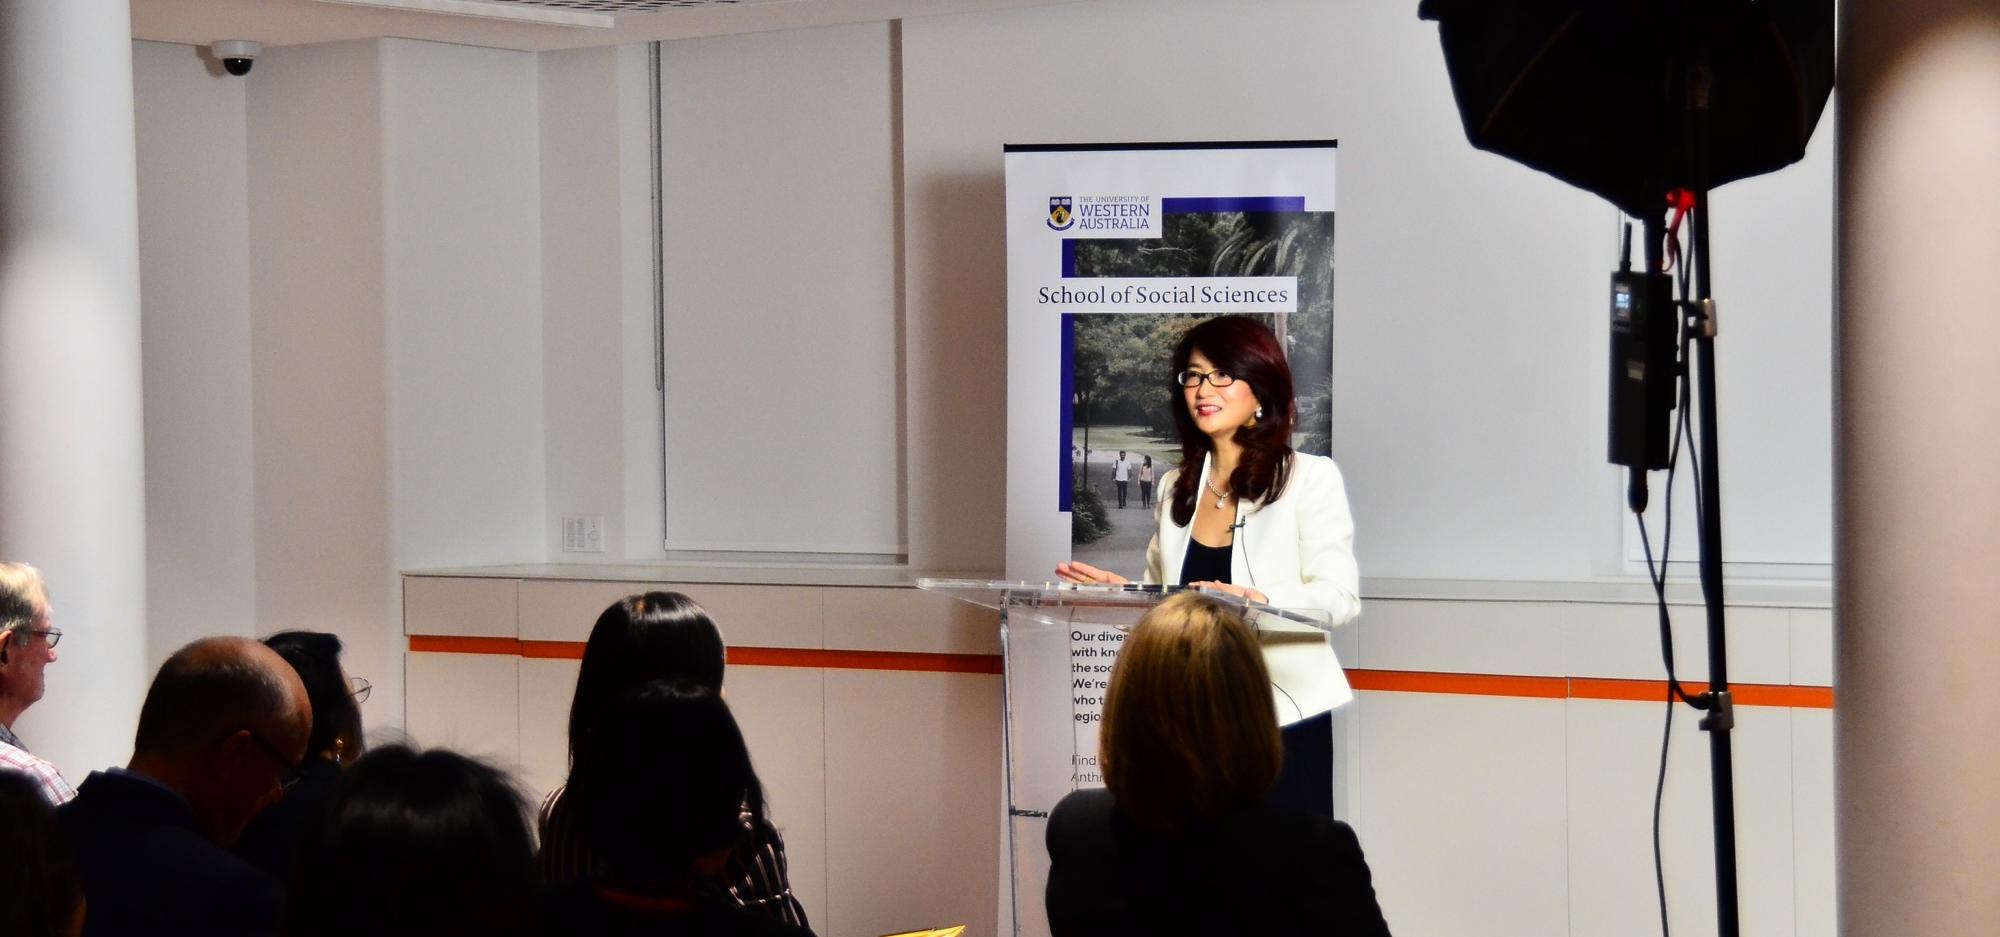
[[13, 757], [756, 876]]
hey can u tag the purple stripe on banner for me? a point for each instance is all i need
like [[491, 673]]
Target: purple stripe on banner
[[1068, 472], [1069, 257], [1182, 206]]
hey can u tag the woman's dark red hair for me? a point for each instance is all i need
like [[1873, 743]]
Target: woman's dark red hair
[[1245, 348]]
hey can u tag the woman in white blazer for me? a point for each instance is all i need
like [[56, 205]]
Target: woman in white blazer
[[1247, 516]]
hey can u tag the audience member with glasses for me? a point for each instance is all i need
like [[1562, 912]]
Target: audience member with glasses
[[1246, 515], [222, 734], [27, 648], [272, 840]]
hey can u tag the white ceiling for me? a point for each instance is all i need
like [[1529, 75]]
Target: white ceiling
[[294, 22]]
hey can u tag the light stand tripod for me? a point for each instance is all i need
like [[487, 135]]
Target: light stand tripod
[[1720, 719], [1586, 92], [1637, 442], [1717, 703]]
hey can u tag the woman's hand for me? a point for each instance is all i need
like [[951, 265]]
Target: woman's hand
[[1242, 592], [1086, 573]]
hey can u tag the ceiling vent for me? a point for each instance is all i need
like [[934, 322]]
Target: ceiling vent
[[600, 14]]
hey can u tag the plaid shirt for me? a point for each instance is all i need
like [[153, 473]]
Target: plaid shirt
[[15, 758]]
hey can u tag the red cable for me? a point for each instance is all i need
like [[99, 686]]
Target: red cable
[[1682, 202]]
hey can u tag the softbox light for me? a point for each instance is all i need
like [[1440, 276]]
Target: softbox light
[[1590, 91]]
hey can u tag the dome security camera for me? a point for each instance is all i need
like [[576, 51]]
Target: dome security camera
[[236, 54]]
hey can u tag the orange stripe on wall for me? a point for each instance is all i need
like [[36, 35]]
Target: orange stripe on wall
[[455, 644], [1796, 697], [1467, 684], [865, 660], [1747, 694], [1644, 691], [1637, 691], [552, 650], [1394, 681], [740, 656]]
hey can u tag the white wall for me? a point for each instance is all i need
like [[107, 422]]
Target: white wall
[[194, 279], [1774, 273], [344, 343], [582, 266], [643, 414], [600, 408], [463, 291], [319, 376], [781, 294]]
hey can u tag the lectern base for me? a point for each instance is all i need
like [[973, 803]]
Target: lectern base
[[1306, 781]]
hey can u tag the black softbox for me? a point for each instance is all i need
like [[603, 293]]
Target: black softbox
[[1591, 91]]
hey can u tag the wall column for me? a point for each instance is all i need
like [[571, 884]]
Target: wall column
[[1917, 723], [72, 448]]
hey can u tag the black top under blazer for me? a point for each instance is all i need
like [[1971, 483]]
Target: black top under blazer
[[148, 870], [1261, 870]]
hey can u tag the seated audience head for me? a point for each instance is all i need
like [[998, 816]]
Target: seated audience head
[[1189, 729], [40, 895], [225, 725], [416, 842], [27, 639], [639, 639], [660, 791], [336, 716]]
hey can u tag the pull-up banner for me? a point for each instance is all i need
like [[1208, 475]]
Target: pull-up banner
[[1113, 252]]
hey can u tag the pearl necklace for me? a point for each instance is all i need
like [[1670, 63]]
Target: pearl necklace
[[1221, 497]]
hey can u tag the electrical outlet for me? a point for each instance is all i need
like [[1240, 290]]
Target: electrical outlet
[[583, 533]]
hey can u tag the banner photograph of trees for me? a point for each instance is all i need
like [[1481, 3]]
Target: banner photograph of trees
[[1121, 364]]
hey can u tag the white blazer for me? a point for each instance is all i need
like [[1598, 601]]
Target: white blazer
[[1299, 551]]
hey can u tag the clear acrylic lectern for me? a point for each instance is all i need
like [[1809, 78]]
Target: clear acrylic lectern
[[1058, 641]]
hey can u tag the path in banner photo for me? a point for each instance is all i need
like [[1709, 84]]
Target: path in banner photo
[[1123, 549]]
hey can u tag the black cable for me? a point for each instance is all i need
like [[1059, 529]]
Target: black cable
[[1657, 574], [1686, 418], [1245, 522], [1659, 798]]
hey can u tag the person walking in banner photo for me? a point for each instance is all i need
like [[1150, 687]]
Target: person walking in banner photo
[[1146, 483], [1121, 472], [1245, 514]]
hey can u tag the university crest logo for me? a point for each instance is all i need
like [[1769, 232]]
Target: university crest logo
[[1059, 213]]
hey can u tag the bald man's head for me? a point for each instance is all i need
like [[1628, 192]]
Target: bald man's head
[[216, 686], [225, 725]]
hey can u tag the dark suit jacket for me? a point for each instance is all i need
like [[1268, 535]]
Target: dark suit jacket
[[147, 868], [1263, 870], [271, 842]]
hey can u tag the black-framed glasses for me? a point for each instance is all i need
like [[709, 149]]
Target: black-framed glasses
[[51, 635], [359, 689], [292, 773], [1215, 378]]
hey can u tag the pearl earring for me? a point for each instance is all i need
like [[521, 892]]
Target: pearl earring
[[1258, 415]]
